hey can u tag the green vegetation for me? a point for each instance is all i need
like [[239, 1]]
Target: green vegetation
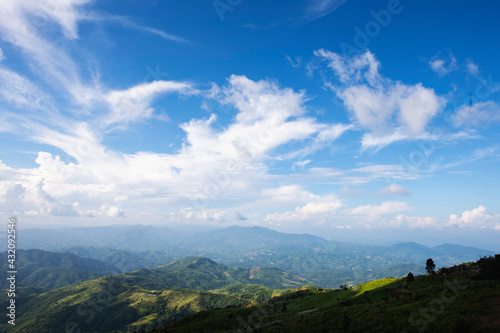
[[125, 261], [147, 298], [196, 294], [462, 300], [50, 270], [204, 274], [324, 263]]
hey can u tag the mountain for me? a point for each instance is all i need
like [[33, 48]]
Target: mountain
[[105, 305], [458, 302], [305, 255], [205, 274], [147, 298], [459, 251], [124, 237], [125, 261], [50, 270]]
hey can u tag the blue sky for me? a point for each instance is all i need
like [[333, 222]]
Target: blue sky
[[361, 121]]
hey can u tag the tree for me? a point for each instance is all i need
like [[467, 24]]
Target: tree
[[410, 277], [430, 266], [284, 309]]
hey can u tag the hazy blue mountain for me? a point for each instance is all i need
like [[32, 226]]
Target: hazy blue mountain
[[124, 237], [454, 250]]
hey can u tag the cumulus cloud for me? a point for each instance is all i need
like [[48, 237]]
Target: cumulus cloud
[[216, 161], [268, 117], [33, 200], [393, 189], [475, 218], [480, 114], [388, 207], [389, 110], [317, 210]]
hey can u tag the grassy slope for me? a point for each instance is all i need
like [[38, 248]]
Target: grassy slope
[[51, 270], [118, 301], [431, 304], [101, 305]]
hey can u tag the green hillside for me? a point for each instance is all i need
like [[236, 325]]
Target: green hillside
[[204, 274], [461, 300], [125, 261], [146, 298], [105, 305], [50, 270]]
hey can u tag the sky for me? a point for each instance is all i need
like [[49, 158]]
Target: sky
[[360, 121]]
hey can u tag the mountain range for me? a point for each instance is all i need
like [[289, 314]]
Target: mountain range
[[326, 263]]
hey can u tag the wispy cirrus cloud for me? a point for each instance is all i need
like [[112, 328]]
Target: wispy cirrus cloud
[[481, 114], [319, 8]]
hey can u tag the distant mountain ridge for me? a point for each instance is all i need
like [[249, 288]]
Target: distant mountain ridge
[[125, 261], [135, 247], [50, 270]]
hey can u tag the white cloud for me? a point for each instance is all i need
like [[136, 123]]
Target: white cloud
[[26, 24], [19, 91], [356, 176], [267, 118], [216, 162], [471, 67], [319, 209], [480, 114], [403, 221], [319, 8], [2, 56], [476, 218], [393, 189], [126, 22], [352, 69], [301, 164], [206, 215], [133, 104], [297, 63], [22, 23], [389, 110], [444, 64], [388, 207]]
